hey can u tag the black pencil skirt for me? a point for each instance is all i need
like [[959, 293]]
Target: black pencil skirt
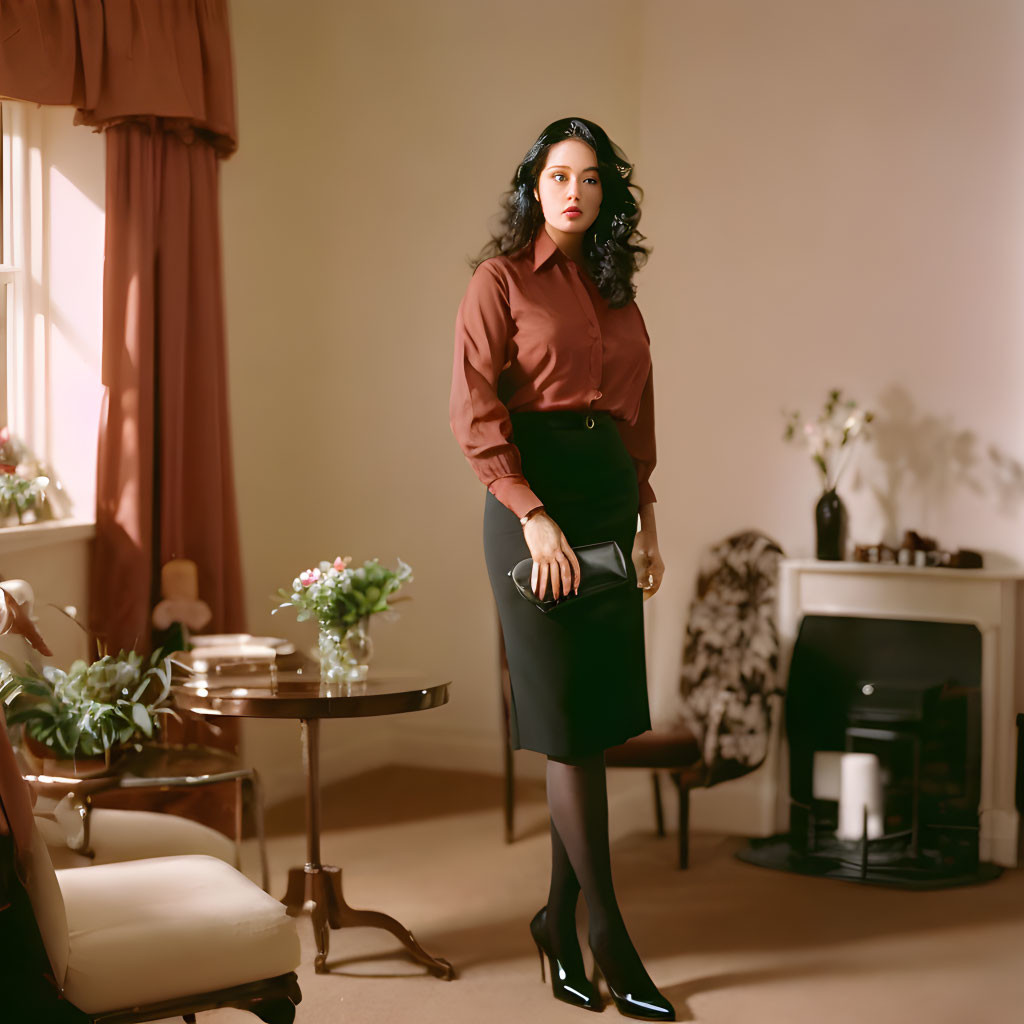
[[578, 675]]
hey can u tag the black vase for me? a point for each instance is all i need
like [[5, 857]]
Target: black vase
[[830, 520]]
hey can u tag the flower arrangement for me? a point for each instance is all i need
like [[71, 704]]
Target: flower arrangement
[[27, 486], [89, 709], [332, 593], [832, 437], [19, 494], [342, 599]]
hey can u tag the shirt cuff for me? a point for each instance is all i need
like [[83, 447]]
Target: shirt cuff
[[515, 494]]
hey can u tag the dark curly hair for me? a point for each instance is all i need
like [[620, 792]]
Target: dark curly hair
[[611, 250]]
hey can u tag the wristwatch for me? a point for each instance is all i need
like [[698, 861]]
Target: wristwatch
[[529, 515]]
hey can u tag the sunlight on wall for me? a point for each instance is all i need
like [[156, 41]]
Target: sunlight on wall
[[74, 223]]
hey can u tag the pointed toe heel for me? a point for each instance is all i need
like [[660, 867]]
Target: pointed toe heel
[[576, 991], [652, 1006]]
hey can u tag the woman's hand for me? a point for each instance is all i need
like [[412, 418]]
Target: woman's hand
[[553, 558], [646, 555]]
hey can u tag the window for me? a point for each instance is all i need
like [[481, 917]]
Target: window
[[51, 285], [16, 349], [8, 271]]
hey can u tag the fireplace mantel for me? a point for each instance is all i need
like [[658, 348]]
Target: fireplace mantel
[[991, 600]]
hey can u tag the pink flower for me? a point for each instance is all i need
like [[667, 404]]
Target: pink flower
[[340, 563], [309, 577]]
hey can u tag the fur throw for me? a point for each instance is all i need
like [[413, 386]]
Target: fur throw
[[731, 654]]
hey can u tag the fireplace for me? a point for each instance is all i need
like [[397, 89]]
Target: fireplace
[[908, 692], [920, 668]]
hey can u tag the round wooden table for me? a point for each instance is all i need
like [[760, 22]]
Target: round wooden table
[[299, 694]]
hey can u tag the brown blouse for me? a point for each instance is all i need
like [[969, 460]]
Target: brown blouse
[[533, 332]]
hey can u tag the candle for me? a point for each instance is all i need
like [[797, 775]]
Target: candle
[[860, 786]]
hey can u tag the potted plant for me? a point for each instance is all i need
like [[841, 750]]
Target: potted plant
[[85, 715], [29, 492], [342, 599]]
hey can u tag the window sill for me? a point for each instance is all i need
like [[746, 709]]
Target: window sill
[[37, 535]]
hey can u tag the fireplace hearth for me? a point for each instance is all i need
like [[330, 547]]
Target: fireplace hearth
[[909, 694], [989, 602]]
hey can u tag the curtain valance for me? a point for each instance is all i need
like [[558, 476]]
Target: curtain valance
[[124, 60]]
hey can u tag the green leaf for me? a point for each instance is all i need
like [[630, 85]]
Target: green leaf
[[142, 720]]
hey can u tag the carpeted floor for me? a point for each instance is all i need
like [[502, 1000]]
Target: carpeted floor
[[727, 942]]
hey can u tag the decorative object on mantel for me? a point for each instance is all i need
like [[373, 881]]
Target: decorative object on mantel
[[29, 490], [342, 600], [830, 439], [76, 722], [922, 552]]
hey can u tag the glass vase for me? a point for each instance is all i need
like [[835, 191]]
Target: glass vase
[[345, 653], [334, 659], [359, 648], [830, 525]]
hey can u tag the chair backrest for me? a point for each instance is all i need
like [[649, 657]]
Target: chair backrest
[[31, 861], [730, 654]]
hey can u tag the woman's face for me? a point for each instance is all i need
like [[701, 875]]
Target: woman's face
[[569, 182]]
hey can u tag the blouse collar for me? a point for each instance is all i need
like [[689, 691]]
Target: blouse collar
[[543, 248]]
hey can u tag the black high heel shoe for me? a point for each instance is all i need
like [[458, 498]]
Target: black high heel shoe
[[576, 991], [650, 1007]]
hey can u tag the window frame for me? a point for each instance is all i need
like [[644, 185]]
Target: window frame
[[22, 349]]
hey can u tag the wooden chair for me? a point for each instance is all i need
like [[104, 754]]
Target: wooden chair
[[674, 750], [730, 657]]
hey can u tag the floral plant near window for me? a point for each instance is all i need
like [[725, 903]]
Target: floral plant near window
[[28, 490]]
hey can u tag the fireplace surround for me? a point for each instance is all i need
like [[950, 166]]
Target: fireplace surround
[[986, 605], [987, 599]]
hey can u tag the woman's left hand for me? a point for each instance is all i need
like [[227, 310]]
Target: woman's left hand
[[647, 561]]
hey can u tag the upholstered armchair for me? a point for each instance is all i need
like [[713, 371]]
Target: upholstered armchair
[[134, 941], [78, 834]]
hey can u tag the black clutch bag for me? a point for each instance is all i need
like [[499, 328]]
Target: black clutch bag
[[602, 566]]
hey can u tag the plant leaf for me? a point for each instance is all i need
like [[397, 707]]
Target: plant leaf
[[142, 720]]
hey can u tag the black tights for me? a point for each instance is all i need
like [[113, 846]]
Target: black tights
[[580, 859]]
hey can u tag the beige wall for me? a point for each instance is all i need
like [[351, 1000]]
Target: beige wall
[[833, 195], [371, 161], [58, 573]]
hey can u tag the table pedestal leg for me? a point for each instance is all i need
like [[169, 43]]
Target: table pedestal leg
[[320, 884]]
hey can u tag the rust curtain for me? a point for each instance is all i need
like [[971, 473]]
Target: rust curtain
[[157, 78]]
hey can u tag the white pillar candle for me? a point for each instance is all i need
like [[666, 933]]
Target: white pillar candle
[[859, 786]]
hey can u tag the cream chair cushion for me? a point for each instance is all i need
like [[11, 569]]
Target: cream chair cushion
[[148, 930], [118, 835]]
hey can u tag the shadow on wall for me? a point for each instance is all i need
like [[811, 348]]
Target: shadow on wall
[[929, 457]]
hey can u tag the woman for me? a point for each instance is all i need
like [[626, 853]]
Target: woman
[[552, 402]]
